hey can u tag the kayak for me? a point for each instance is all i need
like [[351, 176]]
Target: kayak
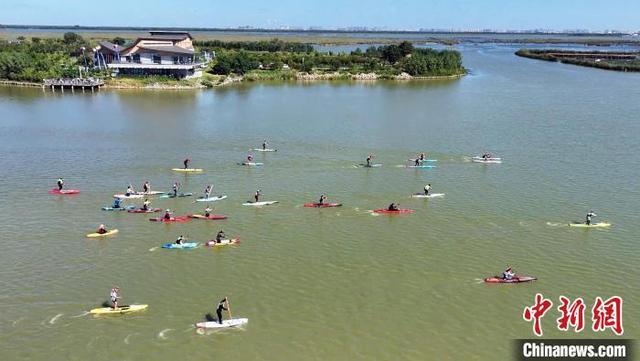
[[127, 208], [180, 195], [223, 242], [64, 191], [152, 210], [179, 219], [487, 160], [234, 322], [432, 195], [118, 311], [211, 216], [264, 150], [187, 170], [264, 203], [490, 158], [424, 160], [424, 166], [188, 245], [515, 279], [592, 225], [251, 164], [211, 199], [150, 193], [399, 211], [362, 165], [322, 205], [96, 235], [130, 196]]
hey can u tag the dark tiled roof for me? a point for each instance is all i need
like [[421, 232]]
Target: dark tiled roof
[[168, 49], [111, 46], [172, 37], [174, 34]]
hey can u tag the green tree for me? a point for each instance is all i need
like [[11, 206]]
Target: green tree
[[71, 38], [118, 40]]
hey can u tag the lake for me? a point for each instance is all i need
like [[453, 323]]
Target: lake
[[322, 284]]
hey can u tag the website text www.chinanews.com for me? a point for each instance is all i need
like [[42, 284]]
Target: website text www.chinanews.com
[[565, 349]]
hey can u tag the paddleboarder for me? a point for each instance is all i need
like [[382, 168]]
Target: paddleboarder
[[114, 295], [590, 215], [427, 188], [221, 308], [60, 183]]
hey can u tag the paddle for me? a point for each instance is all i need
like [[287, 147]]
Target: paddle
[[228, 307]]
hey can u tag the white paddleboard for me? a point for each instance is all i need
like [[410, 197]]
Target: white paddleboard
[[150, 193], [264, 150], [486, 161], [211, 199], [264, 203], [432, 195], [131, 196], [234, 322]]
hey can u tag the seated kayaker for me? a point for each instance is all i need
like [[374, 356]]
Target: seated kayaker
[[220, 236], [368, 160], [590, 215], [146, 187], [422, 157], [114, 295], [427, 188], [221, 308], [145, 205], [322, 199], [486, 156], [207, 212], [508, 274], [60, 183], [393, 207], [101, 229], [186, 163], [117, 203], [249, 158], [257, 195], [167, 214], [129, 191], [180, 240]]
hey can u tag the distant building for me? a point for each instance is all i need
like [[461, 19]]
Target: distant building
[[168, 53]]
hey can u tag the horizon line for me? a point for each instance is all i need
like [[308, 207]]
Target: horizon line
[[347, 29]]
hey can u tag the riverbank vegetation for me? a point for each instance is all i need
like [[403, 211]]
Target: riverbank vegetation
[[607, 60], [35, 59], [387, 61]]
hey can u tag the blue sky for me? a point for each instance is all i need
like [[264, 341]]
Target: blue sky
[[405, 14]]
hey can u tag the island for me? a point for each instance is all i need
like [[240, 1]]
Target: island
[[608, 60], [173, 59]]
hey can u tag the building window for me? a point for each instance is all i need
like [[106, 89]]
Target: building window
[[175, 60], [136, 58], [157, 59]]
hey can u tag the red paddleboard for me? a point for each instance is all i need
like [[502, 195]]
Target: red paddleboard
[[515, 279], [399, 211], [152, 210], [211, 216], [64, 191], [322, 205], [178, 219]]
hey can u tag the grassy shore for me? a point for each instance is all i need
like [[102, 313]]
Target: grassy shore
[[618, 61]]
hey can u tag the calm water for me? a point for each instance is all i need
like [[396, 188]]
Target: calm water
[[332, 284]]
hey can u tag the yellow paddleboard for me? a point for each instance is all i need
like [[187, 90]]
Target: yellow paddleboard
[[109, 233], [118, 311], [592, 225], [187, 170]]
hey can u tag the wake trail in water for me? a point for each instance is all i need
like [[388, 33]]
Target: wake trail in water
[[81, 315], [162, 334], [153, 249], [55, 318], [126, 339]]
